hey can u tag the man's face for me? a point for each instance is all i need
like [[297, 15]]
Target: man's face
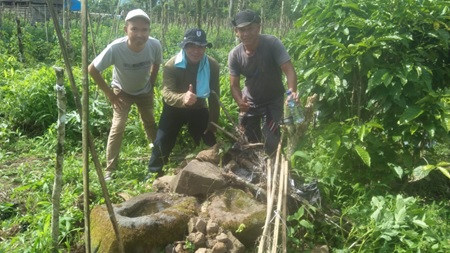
[[248, 35], [194, 53], [138, 31]]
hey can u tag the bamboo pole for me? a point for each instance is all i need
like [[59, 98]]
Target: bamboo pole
[[284, 208], [85, 126], [271, 184], [277, 211], [57, 183], [92, 35], [79, 108]]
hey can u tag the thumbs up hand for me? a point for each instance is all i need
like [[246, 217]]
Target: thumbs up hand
[[189, 97]]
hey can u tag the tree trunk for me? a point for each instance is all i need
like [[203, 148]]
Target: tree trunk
[[262, 20], [164, 23], [150, 9], [199, 13], [280, 28], [230, 10], [19, 40]]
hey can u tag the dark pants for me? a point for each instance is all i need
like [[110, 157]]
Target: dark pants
[[262, 124], [170, 123]]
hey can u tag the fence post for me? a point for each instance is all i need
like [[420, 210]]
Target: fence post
[[61, 131]]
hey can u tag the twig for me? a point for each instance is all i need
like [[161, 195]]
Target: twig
[[224, 109], [225, 131], [240, 182]]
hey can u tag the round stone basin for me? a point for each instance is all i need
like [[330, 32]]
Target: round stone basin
[[145, 208], [147, 223]]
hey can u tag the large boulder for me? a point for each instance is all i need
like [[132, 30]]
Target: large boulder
[[232, 208], [198, 179], [146, 223]]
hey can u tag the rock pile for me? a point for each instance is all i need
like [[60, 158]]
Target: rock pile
[[206, 236]]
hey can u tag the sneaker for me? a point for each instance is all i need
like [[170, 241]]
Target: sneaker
[[108, 176], [153, 175]]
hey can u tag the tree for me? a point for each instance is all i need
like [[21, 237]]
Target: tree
[[381, 68]]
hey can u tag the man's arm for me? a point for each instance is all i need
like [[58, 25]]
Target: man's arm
[[291, 76], [154, 74], [237, 93], [170, 93], [100, 81]]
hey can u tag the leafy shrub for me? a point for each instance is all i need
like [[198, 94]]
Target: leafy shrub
[[380, 68], [30, 101], [397, 224]]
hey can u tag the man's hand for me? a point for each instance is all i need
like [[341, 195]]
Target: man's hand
[[114, 99], [189, 97], [244, 105], [294, 95]]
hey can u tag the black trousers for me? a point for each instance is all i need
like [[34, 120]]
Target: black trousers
[[261, 123], [170, 123]]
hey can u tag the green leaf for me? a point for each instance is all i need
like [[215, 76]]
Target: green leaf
[[443, 164], [421, 172], [420, 223], [409, 114], [301, 154], [400, 215], [335, 143], [337, 44], [387, 78], [444, 171], [362, 133], [390, 38], [306, 224], [309, 72], [363, 154], [398, 170], [376, 78]]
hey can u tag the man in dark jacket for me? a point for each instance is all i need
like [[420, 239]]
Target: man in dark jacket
[[189, 79]]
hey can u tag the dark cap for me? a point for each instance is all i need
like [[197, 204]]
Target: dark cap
[[245, 18], [196, 36]]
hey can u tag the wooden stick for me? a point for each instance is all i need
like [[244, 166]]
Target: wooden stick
[[284, 210], [263, 238], [270, 198], [281, 187], [225, 131], [58, 182], [230, 119], [77, 99]]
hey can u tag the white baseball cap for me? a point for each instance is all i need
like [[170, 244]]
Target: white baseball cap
[[137, 13]]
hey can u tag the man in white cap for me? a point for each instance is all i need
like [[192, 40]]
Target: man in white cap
[[136, 58]]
